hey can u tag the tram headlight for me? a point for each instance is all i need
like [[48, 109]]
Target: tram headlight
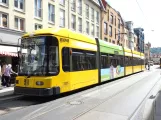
[[39, 83]]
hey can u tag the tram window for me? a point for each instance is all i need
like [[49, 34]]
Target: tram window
[[53, 56], [104, 61], [113, 59], [121, 61], [90, 60], [131, 61], [83, 60], [127, 61], [134, 61], [66, 59], [78, 60]]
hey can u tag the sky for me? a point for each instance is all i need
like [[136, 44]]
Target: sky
[[147, 16]]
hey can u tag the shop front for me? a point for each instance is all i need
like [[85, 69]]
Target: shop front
[[8, 54], [9, 45]]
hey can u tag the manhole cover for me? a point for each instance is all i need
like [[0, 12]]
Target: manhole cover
[[75, 102]]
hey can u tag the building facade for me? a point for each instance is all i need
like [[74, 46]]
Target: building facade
[[112, 25], [28, 15], [20, 16], [126, 41], [155, 58], [130, 34], [135, 42], [139, 33], [147, 51]]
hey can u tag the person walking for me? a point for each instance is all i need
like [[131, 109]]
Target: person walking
[[0, 74], [7, 74], [148, 66], [4, 65]]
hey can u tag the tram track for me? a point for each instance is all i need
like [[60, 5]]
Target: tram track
[[10, 97], [14, 102], [66, 104]]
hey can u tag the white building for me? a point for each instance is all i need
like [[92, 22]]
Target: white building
[[19, 16]]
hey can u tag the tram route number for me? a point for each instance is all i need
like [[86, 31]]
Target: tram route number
[[64, 40]]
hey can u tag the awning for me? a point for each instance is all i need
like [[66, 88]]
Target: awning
[[8, 54]]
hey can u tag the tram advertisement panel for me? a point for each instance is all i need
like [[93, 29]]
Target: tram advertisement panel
[[111, 73]]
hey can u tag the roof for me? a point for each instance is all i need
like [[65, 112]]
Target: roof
[[62, 32], [110, 45]]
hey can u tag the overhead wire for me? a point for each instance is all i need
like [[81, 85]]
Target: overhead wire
[[145, 17]]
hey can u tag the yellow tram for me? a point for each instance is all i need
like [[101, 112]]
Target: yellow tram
[[53, 61]]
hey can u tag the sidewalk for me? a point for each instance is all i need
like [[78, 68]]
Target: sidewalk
[[6, 90], [157, 110]]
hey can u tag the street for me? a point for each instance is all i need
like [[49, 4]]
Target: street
[[131, 97]]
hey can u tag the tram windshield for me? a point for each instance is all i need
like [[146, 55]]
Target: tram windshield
[[39, 56]]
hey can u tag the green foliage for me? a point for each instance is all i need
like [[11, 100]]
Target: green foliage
[[155, 50]]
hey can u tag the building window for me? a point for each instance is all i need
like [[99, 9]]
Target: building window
[[80, 24], [92, 29], [73, 22], [105, 39], [4, 2], [115, 33], [19, 4], [97, 17], [110, 31], [87, 11], [51, 13], [105, 28], [111, 19], [115, 21], [92, 14], [62, 2], [113, 41], [87, 27], [118, 34], [73, 5], [38, 26], [127, 43], [19, 23], [62, 18], [97, 31], [119, 23], [80, 7], [3, 20], [38, 8]]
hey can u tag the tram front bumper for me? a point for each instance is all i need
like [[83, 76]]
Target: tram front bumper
[[37, 91]]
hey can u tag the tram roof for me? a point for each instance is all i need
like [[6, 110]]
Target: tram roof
[[136, 52], [64, 32], [110, 48], [109, 45]]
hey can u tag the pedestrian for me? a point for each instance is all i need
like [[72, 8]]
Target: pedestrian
[[0, 74], [4, 65], [7, 74], [148, 66], [111, 70]]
